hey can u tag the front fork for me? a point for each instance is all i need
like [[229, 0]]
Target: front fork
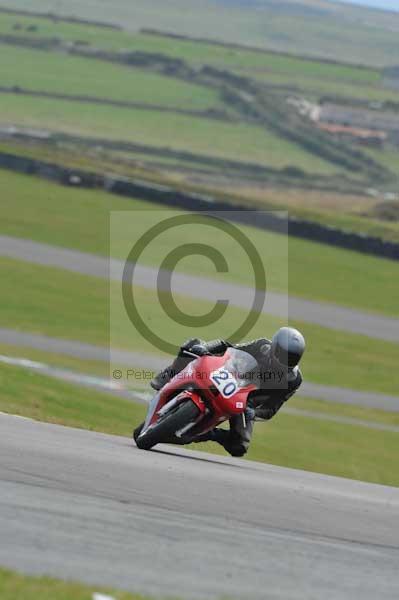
[[151, 409], [171, 404]]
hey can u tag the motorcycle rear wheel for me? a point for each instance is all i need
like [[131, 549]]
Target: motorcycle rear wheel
[[182, 415]]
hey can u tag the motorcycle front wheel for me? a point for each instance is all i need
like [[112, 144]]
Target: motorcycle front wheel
[[183, 414]]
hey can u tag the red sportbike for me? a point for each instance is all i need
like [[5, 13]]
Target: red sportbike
[[209, 391]]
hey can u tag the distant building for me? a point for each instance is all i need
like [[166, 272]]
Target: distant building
[[336, 114], [379, 124], [368, 137]]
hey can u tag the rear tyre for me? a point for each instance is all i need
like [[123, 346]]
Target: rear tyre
[[182, 415]]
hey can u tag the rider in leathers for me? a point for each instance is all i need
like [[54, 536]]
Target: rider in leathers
[[279, 378]]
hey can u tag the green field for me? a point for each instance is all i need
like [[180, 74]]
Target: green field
[[244, 139], [72, 75], [389, 157], [61, 304], [238, 141], [196, 54], [313, 77], [31, 208], [15, 586], [315, 87], [300, 29], [288, 441]]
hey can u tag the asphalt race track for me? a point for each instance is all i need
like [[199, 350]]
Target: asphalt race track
[[92, 507]]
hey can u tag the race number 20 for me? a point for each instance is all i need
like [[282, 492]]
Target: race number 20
[[225, 383]]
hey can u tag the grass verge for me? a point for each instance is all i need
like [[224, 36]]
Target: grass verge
[[30, 394], [62, 361], [15, 586], [333, 409], [327, 447]]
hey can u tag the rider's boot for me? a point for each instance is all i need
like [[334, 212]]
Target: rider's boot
[[220, 436], [224, 438]]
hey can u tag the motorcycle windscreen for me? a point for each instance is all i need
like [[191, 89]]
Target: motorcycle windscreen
[[243, 366]]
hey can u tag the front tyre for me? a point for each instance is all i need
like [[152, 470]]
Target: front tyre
[[137, 431], [183, 414]]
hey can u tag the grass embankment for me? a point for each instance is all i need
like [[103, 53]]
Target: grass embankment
[[290, 441], [326, 447], [25, 392], [349, 212], [355, 212], [15, 586], [237, 140], [65, 305], [31, 207]]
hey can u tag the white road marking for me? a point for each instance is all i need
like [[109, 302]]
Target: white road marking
[[89, 380], [22, 362]]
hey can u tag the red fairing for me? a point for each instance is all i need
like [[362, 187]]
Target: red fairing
[[210, 386]]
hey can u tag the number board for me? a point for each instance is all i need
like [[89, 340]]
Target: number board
[[225, 383]]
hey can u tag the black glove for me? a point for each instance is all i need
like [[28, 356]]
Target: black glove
[[250, 413], [217, 346], [187, 348], [199, 349]]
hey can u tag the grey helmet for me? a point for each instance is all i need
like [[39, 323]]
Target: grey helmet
[[288, 346]]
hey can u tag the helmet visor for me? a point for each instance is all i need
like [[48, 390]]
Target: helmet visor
[[287, 359]]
